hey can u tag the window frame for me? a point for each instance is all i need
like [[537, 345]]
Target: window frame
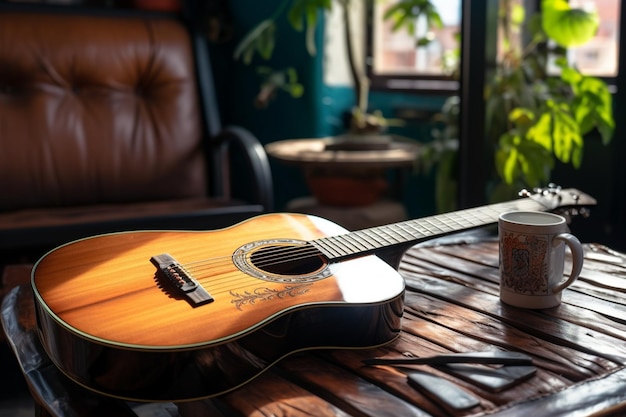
[[404, 83]]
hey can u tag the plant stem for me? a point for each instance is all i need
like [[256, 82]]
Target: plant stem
[[361, 82]]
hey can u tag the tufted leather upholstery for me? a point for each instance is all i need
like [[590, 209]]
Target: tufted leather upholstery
[[102, 119], [86, 117]]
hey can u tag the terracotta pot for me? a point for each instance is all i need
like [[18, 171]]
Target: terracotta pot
[[159, 5], [346, 191]]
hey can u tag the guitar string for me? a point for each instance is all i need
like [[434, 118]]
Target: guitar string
[[230, 280], [273, 256], [272, 259], [233, 279]]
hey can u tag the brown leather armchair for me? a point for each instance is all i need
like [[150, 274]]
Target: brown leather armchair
[[109, 122]]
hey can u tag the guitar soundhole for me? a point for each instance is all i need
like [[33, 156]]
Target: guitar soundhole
[[282, 260], [286, 260]]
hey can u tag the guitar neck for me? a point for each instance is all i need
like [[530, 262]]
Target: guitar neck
[[409, 232]]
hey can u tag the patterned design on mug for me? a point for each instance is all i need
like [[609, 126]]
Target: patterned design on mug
[[524, 269]]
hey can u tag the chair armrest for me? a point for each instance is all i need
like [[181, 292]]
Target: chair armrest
[[255, 157]]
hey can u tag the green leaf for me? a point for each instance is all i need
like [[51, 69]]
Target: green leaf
[[518, 14], [259, 38], [286, 80], [423, 41], [405, 13], [296, 90], [510, 168], [519, 160], [445, 182], [541, 131], [265, 42], [567, 26], [305, 13], [535, 163], [311, 19], [521, 116], [294, 15], [566, 137], [594, 107]]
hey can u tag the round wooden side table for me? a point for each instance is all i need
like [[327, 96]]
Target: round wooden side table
[[349, 184]]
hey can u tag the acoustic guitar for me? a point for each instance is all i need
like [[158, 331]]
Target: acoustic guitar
[[184, 315]]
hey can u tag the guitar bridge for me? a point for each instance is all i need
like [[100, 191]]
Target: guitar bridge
[[182, 280]]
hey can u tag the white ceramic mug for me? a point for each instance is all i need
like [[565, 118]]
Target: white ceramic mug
[[532, 257]]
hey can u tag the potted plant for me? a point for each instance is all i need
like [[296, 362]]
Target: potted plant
[[366, 127], [535, 116], [303, 15]]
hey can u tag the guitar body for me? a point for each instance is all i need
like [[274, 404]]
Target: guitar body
[[110, 322]]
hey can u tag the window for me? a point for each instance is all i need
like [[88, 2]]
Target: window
[[599, 56], [395, 62]]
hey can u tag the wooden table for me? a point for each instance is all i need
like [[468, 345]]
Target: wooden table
[[313, 153], [452, 305], [350, 187]]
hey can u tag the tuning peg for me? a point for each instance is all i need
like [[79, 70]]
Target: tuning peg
[[575, 197]]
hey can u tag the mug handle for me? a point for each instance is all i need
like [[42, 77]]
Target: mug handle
[[577, 259]]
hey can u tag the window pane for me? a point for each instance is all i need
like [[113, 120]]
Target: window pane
[[599, 56], [396, 53]]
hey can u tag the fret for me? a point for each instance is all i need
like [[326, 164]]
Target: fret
[[437, 225], [340, 245], [358, 243], [421, 228], [326, 247], [367, 243], [374, 237], [414, 231], [386, 236], [401, 231], [498, 209], [473, 218], [450, 223]]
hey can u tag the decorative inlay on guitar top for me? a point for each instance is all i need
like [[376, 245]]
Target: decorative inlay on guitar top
[[267, 294]]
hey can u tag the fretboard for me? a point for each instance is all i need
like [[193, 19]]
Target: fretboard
[[413, 231]]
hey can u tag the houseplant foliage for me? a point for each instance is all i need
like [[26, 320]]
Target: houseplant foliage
[[304, 15], [534, 117]]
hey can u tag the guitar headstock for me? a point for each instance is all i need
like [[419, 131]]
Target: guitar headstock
[[565, 201]]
